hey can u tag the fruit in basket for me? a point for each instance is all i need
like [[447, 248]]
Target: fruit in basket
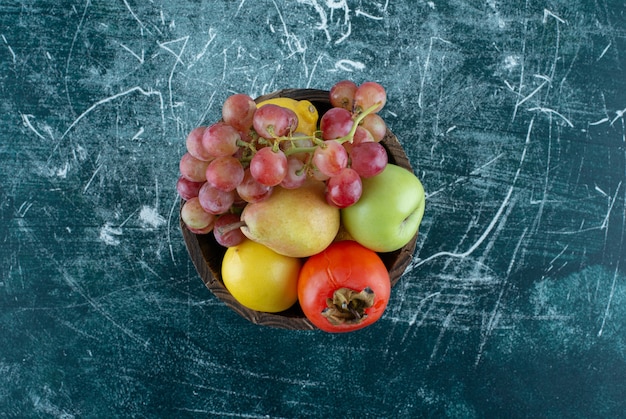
[[389, 212], [259, 278], [293, 222], [208, 176], [344, 288]]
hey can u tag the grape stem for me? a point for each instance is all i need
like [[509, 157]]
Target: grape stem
[[357, 121]]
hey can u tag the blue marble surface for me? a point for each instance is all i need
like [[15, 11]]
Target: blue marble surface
[[512, 114]]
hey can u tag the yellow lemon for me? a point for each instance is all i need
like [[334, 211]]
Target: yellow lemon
[[304, 109], [259, 278]]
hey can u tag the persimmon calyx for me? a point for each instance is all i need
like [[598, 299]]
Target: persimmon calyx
[[348, 306]]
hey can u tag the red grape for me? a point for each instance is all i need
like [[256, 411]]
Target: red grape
[[193, 169], [344, 189], [227, 230], [296, 173], [368, 159], [269, 167], [238, 111], [271, 121], [369, 94], [187, 189], [215, 201], [342, 94], [225, 173], [330, 158], [195, 217], [375, 125], [250, 190], [194, 144], [336, 123], [220, 139]]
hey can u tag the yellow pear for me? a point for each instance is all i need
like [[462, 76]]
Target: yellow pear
[[293, 222]]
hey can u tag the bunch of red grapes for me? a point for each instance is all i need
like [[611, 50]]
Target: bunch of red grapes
[[243, 157]]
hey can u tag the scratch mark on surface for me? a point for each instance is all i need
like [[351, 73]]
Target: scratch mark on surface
[[359, 12], [547, 13], [23, 209], [212, 36], [69, 55], [76, 287], [141, 24], [134, 54], [349, 65], [317, 61], [112, 98], [138, 134], [618, 115], [169, 226], [604, 51], [461, 179], [239, 7], [496, 217], [165, 46], [323, 25], [605, 222], [427, 67], [599, 122], [92, 178], [608, 303], [26, 119], [552, 111], [9, 48], [533, 93]]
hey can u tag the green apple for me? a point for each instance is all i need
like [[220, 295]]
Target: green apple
[[389, 212]]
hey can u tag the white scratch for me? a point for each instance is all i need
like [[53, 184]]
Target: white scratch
[[618, 115], [9, 47], [533, 93], [62, 172], [496, 217], [597, 188], [94, 304], [112, 98], [23, 209], [175, 203], [552, 111], [359, 12], [69, 55], [239, 8], [141, 130], [547, 13], [26, 119], [426, 68], [349, 65], [605, 223], [598, 122], [212, 36], [92, 178], [134, 54], [166, 47], [609, 301], [604, 51]]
